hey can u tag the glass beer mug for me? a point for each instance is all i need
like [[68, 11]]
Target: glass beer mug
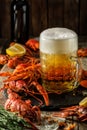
[[58, 47]]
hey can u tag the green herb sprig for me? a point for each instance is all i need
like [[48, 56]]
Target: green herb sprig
[[10, 121]]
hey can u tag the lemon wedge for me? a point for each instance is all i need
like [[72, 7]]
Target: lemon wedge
[[83, 102], [16, 50]]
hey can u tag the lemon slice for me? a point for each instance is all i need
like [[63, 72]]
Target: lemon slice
[[83, 102], [16, 50]]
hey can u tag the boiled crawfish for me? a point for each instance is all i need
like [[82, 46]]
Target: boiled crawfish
[[18, 102], [20, 86], [12, 62], [31, 73], [23, 108], [78, 111], [23, 82], [32, 50], [82, 53], [33, 44], [3, 59]]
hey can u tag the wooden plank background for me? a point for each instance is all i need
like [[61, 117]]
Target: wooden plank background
[[48, 13]]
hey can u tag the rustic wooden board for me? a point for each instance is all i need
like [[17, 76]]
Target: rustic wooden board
[[38, 16], [71, 14], [83, 17], [55, 13], [2, 93]]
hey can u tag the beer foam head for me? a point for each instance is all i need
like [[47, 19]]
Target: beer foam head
[[58, 40]]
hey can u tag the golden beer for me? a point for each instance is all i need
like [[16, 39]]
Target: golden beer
[[58, 47]]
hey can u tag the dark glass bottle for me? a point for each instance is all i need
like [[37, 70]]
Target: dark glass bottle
[[19, 21]]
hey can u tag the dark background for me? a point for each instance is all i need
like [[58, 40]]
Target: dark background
[[48, 13]]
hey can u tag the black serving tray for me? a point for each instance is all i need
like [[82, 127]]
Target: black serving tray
[[58, 101]]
